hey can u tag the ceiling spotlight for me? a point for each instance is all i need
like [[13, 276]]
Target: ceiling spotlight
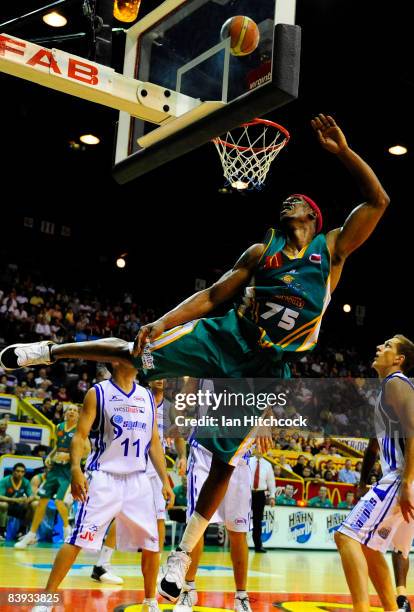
[[120, 262], [89, 139], [397, 150], [55, 20], [347, 308]]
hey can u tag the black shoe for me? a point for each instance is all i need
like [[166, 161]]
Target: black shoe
[[403, 603], [97, 572], [260, 550]]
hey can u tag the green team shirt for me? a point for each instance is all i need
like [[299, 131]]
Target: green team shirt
[[180, 495], [288, 297], [345, 505], [64, 438], [283, 500], [8, 488], [318, 502]]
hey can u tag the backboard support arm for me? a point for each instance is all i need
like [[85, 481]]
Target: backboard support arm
[[90, 81]]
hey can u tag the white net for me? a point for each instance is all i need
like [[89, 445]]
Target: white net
[[247, 152]]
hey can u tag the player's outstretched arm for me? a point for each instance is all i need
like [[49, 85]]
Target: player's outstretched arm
[[79, 484], [203, 302], [157, 457], [400, 395], [363, 219]]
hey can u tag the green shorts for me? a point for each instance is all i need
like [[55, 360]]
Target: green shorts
[[218, 347], [57, 482]]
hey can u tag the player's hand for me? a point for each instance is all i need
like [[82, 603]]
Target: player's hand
[[264, 444], [182, 466], [79, 485], [406, 501], [168, 495], [362, 489], [329, 134], [148, 332]]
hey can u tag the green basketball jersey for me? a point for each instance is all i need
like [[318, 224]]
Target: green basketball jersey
[[64, 438], [8, 488], [288, 296]]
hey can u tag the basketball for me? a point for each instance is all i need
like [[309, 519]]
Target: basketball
[[244, 35]]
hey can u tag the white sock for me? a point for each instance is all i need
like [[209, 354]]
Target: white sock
[[149, 600], [190, 584], [105, 556], [196, 526], [241, 594]]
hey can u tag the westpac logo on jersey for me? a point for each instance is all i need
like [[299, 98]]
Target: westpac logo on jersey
[[134, 409]]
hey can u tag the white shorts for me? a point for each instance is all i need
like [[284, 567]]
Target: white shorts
[[234, 510], [126, 497], [159, 500], [377, 522]]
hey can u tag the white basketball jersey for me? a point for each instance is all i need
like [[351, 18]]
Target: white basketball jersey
[[160, 418], [123, 431], [388, 431]]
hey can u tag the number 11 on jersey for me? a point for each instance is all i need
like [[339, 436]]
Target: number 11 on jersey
[[126, 449]]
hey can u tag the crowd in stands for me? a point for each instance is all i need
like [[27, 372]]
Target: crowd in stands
[[32, 311]]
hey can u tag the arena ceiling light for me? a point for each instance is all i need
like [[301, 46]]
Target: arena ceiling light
[[397, 150], [55, 19], [121, 261], [347, 308], [89, 139]]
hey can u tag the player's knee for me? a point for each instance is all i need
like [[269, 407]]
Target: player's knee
[[340, 539], [4, 506], [220, 471], [236, 536]]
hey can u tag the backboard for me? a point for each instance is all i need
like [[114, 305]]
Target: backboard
[[178, 47]]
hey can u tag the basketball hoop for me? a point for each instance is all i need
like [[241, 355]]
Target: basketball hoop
[[247, 152]]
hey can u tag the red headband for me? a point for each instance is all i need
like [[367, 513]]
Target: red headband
[[314, 207]]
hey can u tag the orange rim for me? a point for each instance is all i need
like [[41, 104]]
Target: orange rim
[[257, 121]]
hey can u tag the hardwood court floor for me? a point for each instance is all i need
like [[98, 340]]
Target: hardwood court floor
[[297, 581]]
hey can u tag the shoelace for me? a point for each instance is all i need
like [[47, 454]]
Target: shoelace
[[186, 599], [244, 603]]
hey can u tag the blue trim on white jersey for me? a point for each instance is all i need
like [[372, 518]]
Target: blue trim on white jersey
[[121, 391], [79, 521], [99, 411], [190, 492], [99, 443], [153, 420], [381, 518]]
